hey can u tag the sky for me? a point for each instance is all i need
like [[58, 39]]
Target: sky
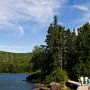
[[24, 23]]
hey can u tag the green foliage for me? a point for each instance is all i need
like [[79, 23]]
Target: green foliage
[[15, 62], [82, 69], [38, 56], [84, 43], [57, 75], [64, 49], [35, 77], [75, 49], [82, 66], [54, 45], [69, 52]]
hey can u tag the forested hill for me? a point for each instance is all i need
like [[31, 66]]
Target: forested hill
[[15, 62]]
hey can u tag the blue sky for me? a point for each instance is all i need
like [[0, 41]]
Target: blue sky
[[24, 23]]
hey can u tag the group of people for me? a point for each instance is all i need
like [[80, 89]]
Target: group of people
[[85, 80]]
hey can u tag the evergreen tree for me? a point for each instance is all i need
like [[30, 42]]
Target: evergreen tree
[[83, 49], [70, 51], [36, 58], [54, 43]]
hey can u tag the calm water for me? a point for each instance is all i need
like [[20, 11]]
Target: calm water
[[14, 82]]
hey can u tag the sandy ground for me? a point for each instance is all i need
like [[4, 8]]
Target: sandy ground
[[83, 87]]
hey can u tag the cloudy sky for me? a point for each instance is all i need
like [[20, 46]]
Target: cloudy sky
[[24, 23]]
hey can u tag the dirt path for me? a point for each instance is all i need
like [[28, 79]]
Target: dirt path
[[82, 88]]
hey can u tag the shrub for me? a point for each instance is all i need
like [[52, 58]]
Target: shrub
[[35, 77], [57, 75]]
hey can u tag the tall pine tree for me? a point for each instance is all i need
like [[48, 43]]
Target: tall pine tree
[[54, 43], [83, 48]]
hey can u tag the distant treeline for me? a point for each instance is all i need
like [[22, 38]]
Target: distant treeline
[[15, 62]]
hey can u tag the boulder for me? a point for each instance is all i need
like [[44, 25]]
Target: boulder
[[55, 86], [51, 86]]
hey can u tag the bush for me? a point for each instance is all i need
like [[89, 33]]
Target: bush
[[35, 77], [57, 75]]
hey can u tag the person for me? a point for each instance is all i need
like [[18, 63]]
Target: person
[[89, 84], [81, 80], [86, 79]]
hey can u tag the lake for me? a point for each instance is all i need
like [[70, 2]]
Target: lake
[[14, 82]]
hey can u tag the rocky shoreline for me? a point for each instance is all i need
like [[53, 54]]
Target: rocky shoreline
[[51, 86]]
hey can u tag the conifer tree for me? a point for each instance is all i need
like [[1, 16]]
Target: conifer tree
[[83, 48], [54, 43]]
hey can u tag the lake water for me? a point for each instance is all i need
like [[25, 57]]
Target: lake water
[[14, 82]]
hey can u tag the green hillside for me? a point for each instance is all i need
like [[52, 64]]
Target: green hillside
[[15, 62]]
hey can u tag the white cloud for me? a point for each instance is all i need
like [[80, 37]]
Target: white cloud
[[21, 30], [44, 10], [6, 46], [40, 11], [14, 48], [84, 13], [81, 7]]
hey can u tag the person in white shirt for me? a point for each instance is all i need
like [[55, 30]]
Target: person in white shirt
[[81, 79], [86, 79]]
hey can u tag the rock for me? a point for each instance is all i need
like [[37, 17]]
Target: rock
[[54, 83], [45, 88], [36, 89], [55, 86], [42, 87], [51, 86]]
